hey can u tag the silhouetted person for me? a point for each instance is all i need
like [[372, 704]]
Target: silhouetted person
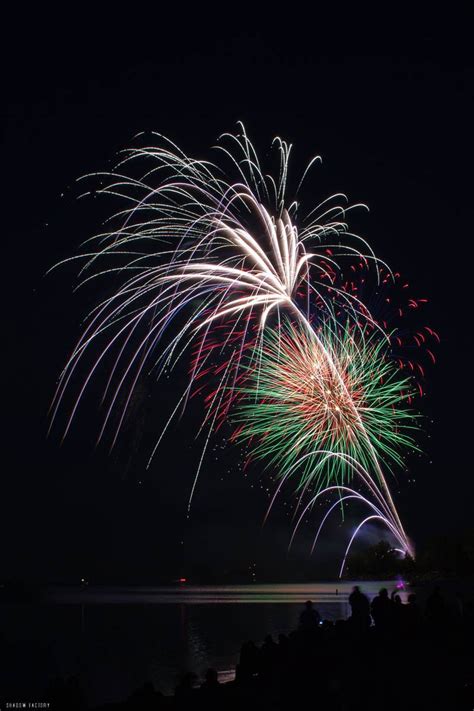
[[360, 608], [398, 612], [211, 681], [145, 698], [309, 618], [268, 656], [210, 697], [249, 662], [382, 612], [412, 617], [436, 608], [185, 686], [283, 648]]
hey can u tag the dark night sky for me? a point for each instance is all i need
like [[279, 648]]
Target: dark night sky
[[387, 101]]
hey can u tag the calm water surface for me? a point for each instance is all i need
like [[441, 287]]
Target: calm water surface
[[114, 639]]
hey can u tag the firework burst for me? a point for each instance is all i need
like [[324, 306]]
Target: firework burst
[[191, 242], [294, 402], [212, 264]]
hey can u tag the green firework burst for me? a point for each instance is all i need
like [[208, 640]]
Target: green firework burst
[[311, 406]]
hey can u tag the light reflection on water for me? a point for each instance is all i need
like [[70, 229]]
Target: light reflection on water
[[116, 638], [332, 598]]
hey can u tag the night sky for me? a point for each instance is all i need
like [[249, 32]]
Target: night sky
[[386, 100]]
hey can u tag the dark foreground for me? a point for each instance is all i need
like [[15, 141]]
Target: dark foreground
[[385, 656]]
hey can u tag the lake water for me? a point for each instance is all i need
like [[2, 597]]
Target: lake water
[[114, 639]]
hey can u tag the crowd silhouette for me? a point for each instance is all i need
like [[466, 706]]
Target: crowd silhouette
[[386, 655]]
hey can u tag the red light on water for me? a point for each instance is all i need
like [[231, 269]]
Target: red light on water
[[182, 580]]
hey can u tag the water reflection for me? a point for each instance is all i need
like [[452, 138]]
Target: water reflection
[[331, 597], [117, 638]]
